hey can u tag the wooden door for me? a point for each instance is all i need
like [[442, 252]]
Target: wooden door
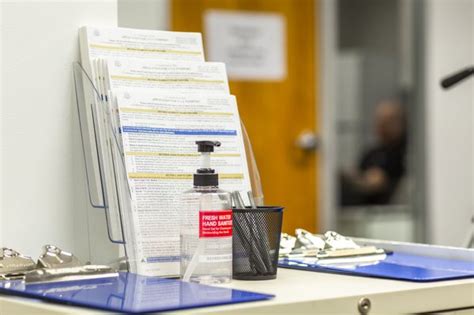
[[275, 113]]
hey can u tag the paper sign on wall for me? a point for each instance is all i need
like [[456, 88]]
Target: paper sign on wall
[[252, 45]]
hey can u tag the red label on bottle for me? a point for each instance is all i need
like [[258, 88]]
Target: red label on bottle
[[215, 223]]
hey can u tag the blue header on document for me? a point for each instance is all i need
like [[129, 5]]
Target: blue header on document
[[203, 132]]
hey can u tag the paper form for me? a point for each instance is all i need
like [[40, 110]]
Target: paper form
[[145, 44], [159, 132], [99, 43], [183, 77], [179, 77], [252, 44], [193, 76], [154, 156]]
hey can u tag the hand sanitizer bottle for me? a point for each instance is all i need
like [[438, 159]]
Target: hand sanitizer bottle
[[206, 226]]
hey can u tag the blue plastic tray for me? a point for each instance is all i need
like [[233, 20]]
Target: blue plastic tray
[[131, 293], [397, 266]]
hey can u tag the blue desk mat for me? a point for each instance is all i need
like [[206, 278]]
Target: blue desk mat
[[397, 266], [131, 293]]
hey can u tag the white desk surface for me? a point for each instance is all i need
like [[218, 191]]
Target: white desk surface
[[310, 292]]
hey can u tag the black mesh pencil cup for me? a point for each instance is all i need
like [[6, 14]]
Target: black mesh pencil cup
[[255, 242]]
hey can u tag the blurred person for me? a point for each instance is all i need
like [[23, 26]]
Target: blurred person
[[382, 166]]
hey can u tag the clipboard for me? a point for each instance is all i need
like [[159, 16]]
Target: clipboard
[[397, 266], [132, 293]]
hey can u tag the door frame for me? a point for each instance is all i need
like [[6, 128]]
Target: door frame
[[327, 115]]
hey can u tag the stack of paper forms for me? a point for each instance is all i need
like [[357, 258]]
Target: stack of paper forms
[[158, 97]]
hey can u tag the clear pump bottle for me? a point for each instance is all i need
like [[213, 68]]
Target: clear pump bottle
[[206, 226]]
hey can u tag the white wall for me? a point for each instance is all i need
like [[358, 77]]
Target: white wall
[[145, 14], [41, 174], [449, 121]]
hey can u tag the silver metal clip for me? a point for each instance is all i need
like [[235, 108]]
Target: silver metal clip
[[287, 243], [70, 274], [330, 248], [13, 264], [53, 265], [308, 241], [54, 257], [336, 241]]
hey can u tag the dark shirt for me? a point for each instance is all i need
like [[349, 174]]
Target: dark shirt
[[391, 159]]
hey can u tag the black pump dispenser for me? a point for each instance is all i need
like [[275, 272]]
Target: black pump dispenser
[[206, 176]]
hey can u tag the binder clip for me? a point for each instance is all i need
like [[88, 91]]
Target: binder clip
[[54, 265], [308, 241], [69, 274], [304, 244], [287, 243], [341, 249], [14, 265], [54, 257], [331, 248]]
